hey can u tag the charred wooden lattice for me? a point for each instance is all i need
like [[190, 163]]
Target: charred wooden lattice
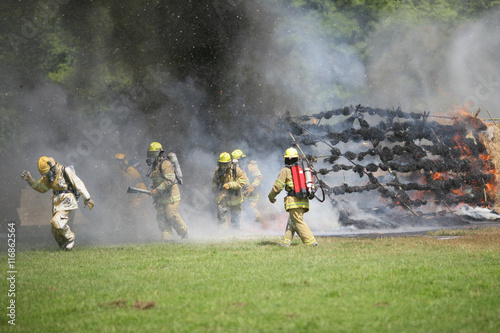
[[428, 158]]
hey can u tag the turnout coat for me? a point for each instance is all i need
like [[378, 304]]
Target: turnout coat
[[65, 180]]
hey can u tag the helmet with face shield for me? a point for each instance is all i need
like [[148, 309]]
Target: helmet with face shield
[[154, 152], [224, 161], [46, 167]]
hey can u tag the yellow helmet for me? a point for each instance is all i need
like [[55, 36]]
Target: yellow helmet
[[120, 156], [291, 152], [237, 154], [44, 164], [155, 146], [225, 158]]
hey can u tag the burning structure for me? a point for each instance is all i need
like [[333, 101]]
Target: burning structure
[[422, 165]]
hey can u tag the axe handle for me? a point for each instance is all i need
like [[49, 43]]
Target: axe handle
[[137, 190]]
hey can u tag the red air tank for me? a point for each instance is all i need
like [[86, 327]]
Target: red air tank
[[299, 180]]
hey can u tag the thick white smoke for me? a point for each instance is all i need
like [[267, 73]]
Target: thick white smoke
[[290, 55], [474, 66], [426, 68], [282, 61]]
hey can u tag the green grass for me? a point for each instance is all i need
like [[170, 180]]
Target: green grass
[[449, 232], [404, 284]]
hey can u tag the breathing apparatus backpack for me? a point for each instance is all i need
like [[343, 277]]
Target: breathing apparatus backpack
[[177, 168], [303, 180], [71, 187], [234, 167]]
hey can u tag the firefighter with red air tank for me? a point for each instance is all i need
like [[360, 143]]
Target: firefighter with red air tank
[[296, 200]]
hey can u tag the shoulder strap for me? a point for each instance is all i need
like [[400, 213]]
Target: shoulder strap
[[235, 171], [161, 164], [66, 179], [69, 183]]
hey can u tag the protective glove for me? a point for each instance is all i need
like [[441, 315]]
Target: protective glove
[[226, 186], [27, 177], [89, 202], [249, 190], [154, 193], [273, 200]]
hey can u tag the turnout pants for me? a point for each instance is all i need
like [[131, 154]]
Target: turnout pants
[[60, 228], [297, 225], [226, 213], [168, 218]]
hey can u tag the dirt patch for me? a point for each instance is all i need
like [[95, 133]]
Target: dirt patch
[[239, 304], [144, 305], [121, 303]]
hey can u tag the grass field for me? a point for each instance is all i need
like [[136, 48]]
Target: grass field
[[421, 283]]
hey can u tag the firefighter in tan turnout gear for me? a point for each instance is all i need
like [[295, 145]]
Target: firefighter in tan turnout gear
[[296, 207], [251, 190], [66, 187], [165, 193], [133, 207], [131, 177], [227, 183]]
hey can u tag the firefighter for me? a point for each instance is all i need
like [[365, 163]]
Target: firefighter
[[129, 176], [66, 187], [250, 191], [296, 207], [132, 205], [165, 193], [227, 183]]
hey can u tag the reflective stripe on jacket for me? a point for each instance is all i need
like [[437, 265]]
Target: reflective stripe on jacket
[[164, 181], [255, 179], [62, 200], [232, 196]]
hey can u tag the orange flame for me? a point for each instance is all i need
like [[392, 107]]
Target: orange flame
[[481, 162]]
